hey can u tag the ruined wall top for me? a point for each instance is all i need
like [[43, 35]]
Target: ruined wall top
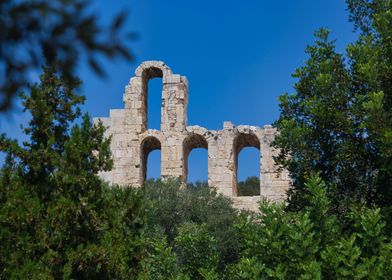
[[174, 96], [132, 141]]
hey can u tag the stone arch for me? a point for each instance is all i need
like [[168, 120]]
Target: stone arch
[[242, 140], [174, 97], [149, 144], [192, 141], [164, 70]]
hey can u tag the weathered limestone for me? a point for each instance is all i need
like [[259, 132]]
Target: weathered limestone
[[132, 141]]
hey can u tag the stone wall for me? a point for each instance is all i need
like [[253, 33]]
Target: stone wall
[[132, 141]]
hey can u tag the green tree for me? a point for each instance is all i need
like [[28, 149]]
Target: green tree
[[197, 250], [339, 121], [57, 218], [249, 187], [312, 244], [161, 262], [171, 204]]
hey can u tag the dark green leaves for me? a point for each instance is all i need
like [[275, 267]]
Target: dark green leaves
[[339, 120]]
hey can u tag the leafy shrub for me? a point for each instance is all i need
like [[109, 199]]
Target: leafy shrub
[[172, 204], [312, 243], [196, 249]]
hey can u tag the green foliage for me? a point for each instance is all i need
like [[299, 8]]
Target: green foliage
[[161, 262], [197, 250], [339, 121], [308, 244], [172, 204], [249, 187], [57, 218]]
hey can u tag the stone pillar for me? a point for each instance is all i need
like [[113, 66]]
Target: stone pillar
[[135, 105], [221, 161], [172, 157], [125, 150], [174, 103], [273, 182]]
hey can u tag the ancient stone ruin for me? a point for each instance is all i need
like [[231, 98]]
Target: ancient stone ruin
[[132, 141]]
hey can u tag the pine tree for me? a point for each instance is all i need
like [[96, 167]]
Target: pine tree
[[57, 218]]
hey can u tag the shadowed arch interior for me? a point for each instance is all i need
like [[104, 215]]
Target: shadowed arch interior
[[191, 142], [241, 141], [148, 145]]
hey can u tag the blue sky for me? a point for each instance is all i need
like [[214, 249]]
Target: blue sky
[[238, 57]]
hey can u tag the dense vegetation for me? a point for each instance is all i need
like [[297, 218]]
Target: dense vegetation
[[249, 187], [59, 220], [339, 120]]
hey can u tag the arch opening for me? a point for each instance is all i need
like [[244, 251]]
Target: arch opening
[[152, 88], [149, 145], [246, 150], [196, 143]]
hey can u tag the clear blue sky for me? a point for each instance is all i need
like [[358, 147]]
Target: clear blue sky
[[238, 57]]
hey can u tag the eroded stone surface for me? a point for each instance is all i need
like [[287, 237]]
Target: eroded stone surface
[[132, 141]]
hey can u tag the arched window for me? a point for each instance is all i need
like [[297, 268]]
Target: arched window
[[149, 145], [247, 156], [199, 145], [152, 95]]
